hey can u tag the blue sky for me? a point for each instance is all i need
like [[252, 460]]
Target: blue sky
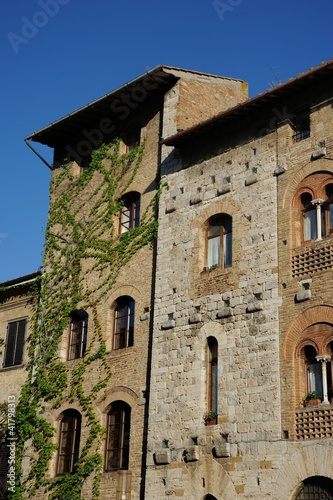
[[58, 55]]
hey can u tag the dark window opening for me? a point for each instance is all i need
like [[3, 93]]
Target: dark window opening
[[118, 437], [78, 334], [69, 442], [132, 138], [301, 127], [124, 323]]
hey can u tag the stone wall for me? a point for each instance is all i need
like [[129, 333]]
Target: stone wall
[[251, 308]]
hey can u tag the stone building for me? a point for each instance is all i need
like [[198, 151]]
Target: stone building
[[99, 274], [226, 314], [243, 324]]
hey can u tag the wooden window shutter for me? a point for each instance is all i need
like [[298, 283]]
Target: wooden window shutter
[[15, 342]]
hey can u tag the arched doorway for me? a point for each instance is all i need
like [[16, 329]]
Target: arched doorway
[[316, 488]]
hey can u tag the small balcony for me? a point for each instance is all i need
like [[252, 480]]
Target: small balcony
[[313, 257], [314, 422]]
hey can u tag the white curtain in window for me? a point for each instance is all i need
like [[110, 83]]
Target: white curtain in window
[[214, 251], [315, 379], [331, 215], [310, 225]]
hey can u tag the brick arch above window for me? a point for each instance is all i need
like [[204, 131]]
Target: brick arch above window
[[118, 392], [222, 206], [309, 318], [299, 348], [304, 172], [319, 335], [315, 184]]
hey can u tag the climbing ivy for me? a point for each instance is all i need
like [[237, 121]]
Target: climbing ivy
[[82, 248]]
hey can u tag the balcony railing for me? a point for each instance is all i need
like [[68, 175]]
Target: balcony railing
[[316, 256], [314, 422]]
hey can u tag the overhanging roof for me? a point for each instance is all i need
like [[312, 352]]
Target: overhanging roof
[[21, 281], [155, 81], [258, 103]]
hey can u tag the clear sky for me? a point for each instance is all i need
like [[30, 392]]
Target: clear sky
[[58, 55]]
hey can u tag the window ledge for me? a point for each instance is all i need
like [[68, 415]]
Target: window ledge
[[15, 367], [217, 270]]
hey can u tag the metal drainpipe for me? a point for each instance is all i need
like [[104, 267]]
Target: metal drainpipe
[[39, 156]]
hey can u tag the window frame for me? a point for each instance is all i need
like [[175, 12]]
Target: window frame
[[133, 137], [74, 418], [212, 375], [77, 348], [118, 426], [129, 215], [222, 221], [301, 127], [123, 334], [17, 345]]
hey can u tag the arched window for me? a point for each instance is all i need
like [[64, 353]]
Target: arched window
[[118, 436], [316, 488], [212, 375], [310, 229], [313, 371], [78, 334], [124, 323], [69, 442], [313, 363], [315, 201], [129, 216], [219, 241]]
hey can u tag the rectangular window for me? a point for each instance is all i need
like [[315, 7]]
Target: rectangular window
[[15, 343], [78, 338], [124, 323], [69, 444], [301, 127], [118, 438]]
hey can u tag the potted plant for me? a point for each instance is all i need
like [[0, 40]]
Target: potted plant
[[210, 418], [311, 398]]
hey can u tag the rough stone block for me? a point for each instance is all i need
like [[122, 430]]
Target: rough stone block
[[162, 456]]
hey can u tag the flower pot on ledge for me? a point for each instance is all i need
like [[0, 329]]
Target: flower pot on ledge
[[316, 401], [211, 422], [210, 418]]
